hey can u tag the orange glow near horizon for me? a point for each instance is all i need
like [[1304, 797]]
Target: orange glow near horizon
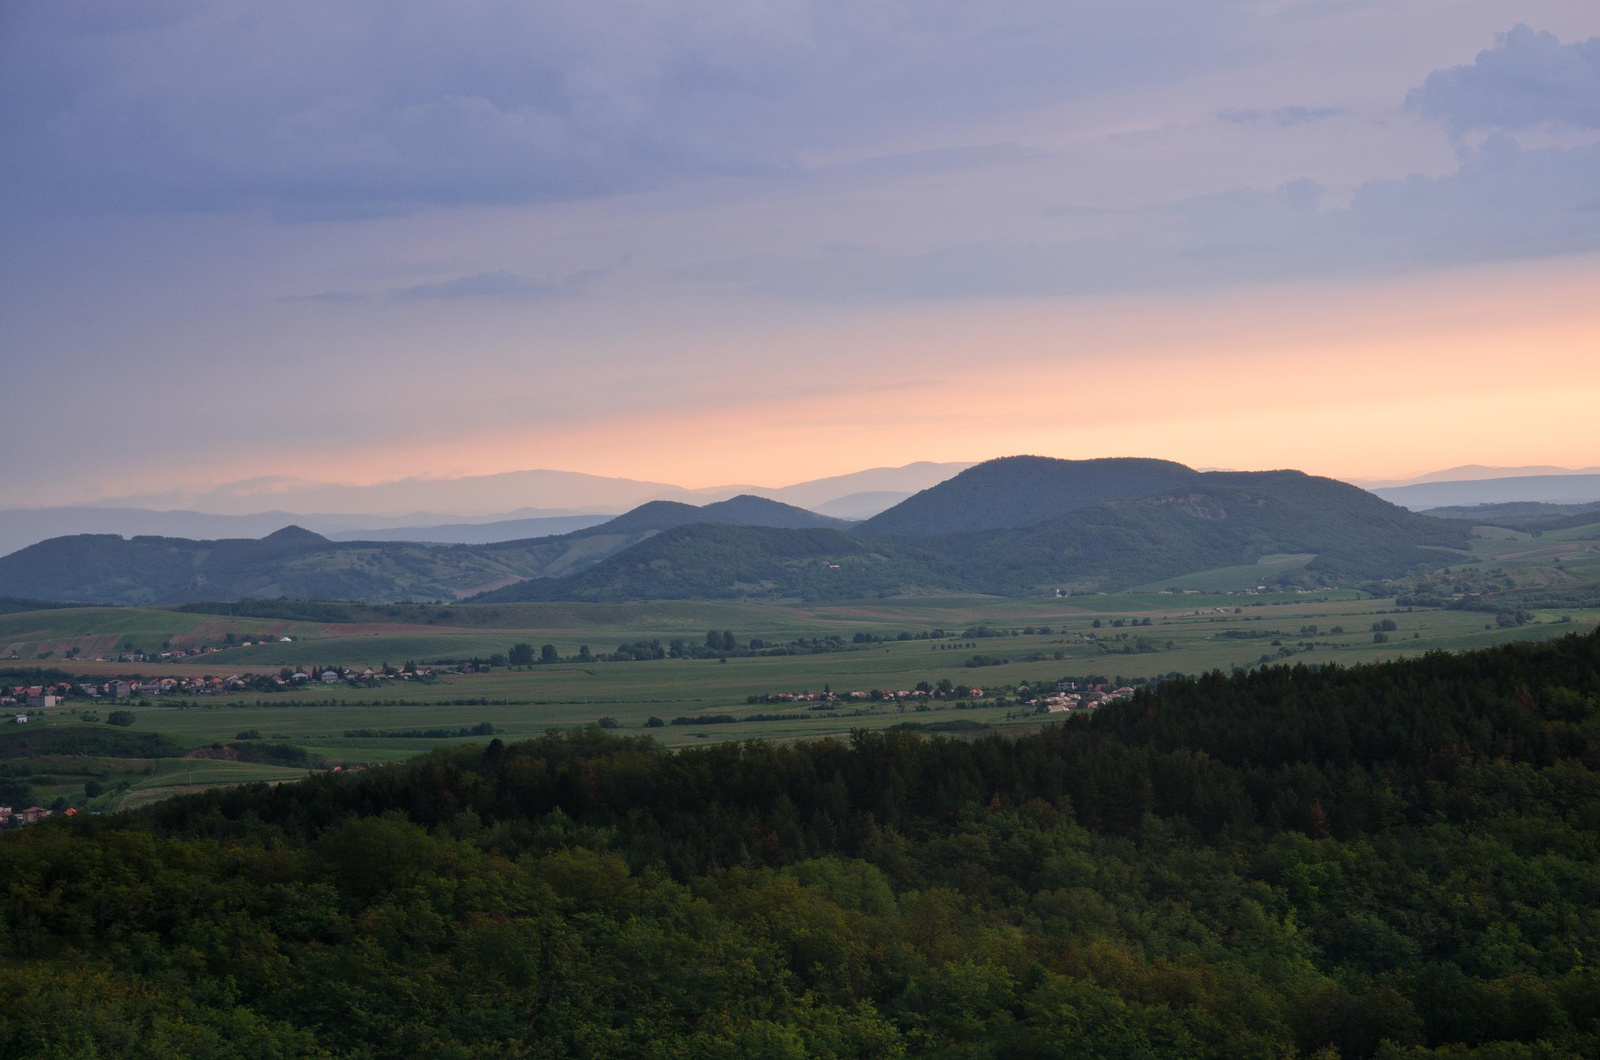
[[1496, 366]]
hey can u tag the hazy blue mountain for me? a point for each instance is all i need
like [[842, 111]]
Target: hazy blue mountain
[[479, 533], [20, 527], [1474, 473], [904, 480], [858, 506], [295, 562], [457, 511], [1548, 489], [1523, 515], [472, 495], [472, 498]]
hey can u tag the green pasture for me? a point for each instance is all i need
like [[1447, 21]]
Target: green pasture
[[130, 782], [97, 621], [601, 626], [1225, 579], [1191, 638], [178, 775]]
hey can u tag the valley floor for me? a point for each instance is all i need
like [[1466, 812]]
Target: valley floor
[[1098, 638]]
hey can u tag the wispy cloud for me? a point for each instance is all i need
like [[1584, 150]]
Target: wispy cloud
[[498, 284], [510, 285], [1282, 116], [962, 158], [1503, 203], [328, 297]]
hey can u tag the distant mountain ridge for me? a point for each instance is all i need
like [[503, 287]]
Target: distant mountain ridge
[[1544, 489], [1011, 526], [1531, 516], [473, 510], [492, 494], [486, 533], [744, 510], [1473, 473], [297, 563], [21, 527], [858, 506], [1029, 524]]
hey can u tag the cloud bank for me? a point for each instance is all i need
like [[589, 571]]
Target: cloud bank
[[1527, 78], [373, 108], [1504, 202]]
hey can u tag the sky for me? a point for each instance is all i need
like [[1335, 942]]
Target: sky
[[711, 241]]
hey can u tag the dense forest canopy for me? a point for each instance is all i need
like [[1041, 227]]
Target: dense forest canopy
[[1396, 861]]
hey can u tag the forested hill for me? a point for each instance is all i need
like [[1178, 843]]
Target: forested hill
[[1532, 516], [1394, 861], [293, 562], [106, 568], [743, 510], [1018, 491], [1227, 519]]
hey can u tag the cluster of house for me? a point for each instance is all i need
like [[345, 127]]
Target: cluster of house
[[44, 697], [331, 675], [36, 696], [10, 818], [188, 686], [878, 694], [185, 653], [1302, 590], [32, 697], [1062, 697], [1068, 697]]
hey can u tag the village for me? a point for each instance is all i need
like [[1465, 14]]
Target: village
[[10, 818], [1065, 696], [34, 698]]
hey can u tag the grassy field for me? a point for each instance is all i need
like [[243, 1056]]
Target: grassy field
[[1202, 627], [1223, 579], [1187, 634], [94, 631]]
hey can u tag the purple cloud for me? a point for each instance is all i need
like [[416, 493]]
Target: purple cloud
[[1526, 79]]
